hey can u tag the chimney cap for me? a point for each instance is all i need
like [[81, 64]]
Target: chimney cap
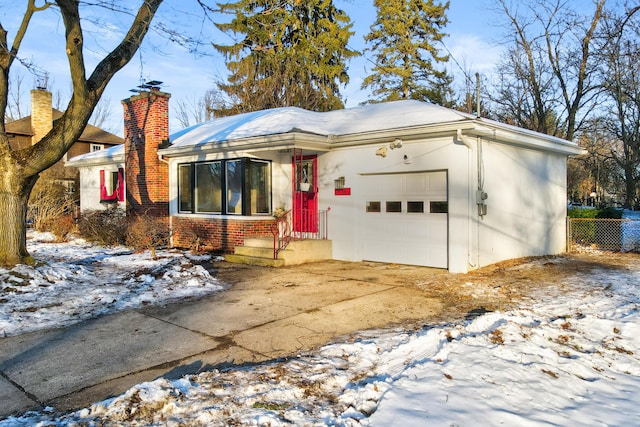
[[151, 84], [42, 81], [146, 87]]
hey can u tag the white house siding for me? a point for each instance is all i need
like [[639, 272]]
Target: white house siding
[[526, 204], [346, 229], [526, 198], [90, 185]]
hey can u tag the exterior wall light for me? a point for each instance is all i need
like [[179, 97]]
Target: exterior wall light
[[397, 143]]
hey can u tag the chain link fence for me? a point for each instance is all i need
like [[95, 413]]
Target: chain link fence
[[621, 235]]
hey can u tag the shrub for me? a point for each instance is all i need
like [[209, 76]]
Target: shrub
[[582, 212], [611, 213], [106, 227], [46, 208], [189, 236], [147, 232], [594, 213], [62, 227]]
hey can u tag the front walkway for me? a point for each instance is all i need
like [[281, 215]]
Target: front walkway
[[266, 314]]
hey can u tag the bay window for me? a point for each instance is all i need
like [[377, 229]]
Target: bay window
[[231, 187]]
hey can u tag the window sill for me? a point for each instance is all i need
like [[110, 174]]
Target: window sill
[[260, 217]]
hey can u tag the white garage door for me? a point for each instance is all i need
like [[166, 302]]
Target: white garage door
[[404, 218]]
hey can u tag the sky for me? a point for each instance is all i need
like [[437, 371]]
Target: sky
[[568, 355], [472, 43]]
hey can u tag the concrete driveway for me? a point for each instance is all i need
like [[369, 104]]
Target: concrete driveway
[[265, 314]]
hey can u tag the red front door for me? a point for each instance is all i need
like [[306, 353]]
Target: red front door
[[305, 194]]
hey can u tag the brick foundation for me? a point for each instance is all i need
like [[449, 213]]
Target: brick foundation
[[217, 234]]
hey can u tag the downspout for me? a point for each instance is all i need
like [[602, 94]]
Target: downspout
[[163, 160], [481, 196], [464, 139]]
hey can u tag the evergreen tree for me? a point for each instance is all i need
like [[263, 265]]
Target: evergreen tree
[[403, 40], [290, 53]]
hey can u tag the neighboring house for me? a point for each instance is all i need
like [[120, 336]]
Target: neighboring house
[[28, 130], [402, 182]]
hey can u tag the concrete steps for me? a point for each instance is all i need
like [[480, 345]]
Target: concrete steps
[[259, 251]]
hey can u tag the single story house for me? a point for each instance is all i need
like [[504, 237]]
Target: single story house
[[404, 182]]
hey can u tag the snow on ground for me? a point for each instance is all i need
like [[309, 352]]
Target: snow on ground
[[76, 280], [571, 357]]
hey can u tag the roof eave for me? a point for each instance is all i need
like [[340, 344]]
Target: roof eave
[[525, 139], [405, 133], [274, 142], [103, 160]]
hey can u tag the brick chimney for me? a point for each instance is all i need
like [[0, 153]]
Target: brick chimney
[[41, 113], [146, 128]]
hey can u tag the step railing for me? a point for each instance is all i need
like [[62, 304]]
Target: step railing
[[281, 230], [306, 225]]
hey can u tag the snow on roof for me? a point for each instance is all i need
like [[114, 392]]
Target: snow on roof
[[350, 121], [368, 118], [115, 153]]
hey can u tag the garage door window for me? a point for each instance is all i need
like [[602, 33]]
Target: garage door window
[[415, 207], [438, 207], [373, 207], [394, 207]]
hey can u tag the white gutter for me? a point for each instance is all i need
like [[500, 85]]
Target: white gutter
[[96, 161], [526, 139], [463, 138], [258, 143], [405, 133]]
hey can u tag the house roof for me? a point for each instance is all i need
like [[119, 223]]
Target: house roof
[[287, 127], [363, 119], [90, 134], [369, 124]]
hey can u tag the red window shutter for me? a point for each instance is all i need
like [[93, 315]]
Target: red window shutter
[[120, 189], [104, 195], [103, 189]]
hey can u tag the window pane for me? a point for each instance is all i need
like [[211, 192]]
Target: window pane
[[373, 206], [208, 187], [260, 187], [304, 176], [184, 188], [438, 207], [113, 183], [415, 207], [394, 206], [234, 186]]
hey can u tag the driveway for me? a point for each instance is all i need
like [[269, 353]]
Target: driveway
[[265, 314]]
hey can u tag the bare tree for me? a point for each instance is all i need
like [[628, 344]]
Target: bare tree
[[20, 169], [597, 171], [621, 82], [194, 110], [15, 109], [549, 75], [102, 114]]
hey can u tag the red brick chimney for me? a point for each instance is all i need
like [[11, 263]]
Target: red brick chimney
[[146, 128]]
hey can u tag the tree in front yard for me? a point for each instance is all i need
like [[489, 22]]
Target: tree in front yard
[[404, 40], [286, 53], [20, 168]]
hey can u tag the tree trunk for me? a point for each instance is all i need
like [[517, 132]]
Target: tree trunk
[[630, 186], [13, 211]]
